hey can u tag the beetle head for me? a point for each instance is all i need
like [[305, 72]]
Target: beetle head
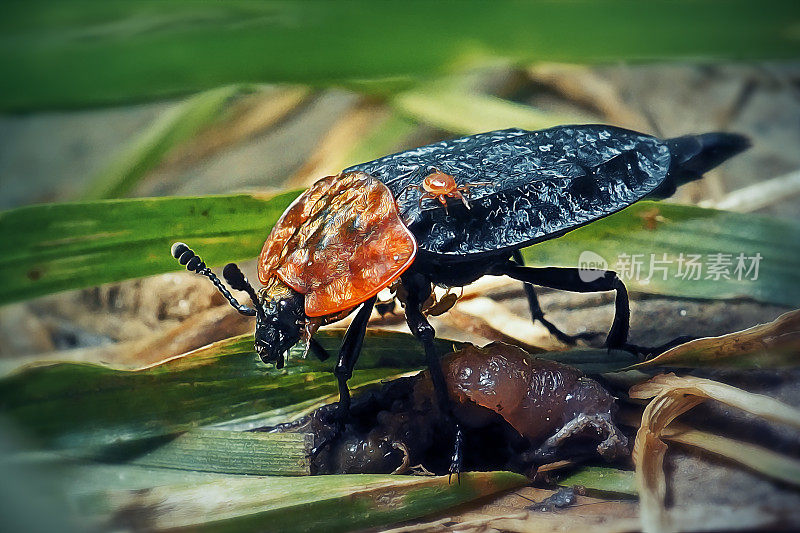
[[280, 326]]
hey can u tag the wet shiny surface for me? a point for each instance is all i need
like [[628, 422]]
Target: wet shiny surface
[[339, 243], [515, 410], [535, 396], [543, 184]]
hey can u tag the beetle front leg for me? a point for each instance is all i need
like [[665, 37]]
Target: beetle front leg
[[348, 355], [419, 290]]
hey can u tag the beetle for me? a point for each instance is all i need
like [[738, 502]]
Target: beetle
[[351, 235]]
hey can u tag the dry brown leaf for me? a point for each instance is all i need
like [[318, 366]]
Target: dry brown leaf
[[776, 343], [757, 404], [672, 396]]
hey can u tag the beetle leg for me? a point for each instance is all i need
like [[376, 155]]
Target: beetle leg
[[348, 355], [648, 352], [538, 314], [321, 353], [418, 291], [569, 279]]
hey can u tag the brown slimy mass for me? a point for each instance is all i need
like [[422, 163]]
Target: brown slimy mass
[[535, 396], [516, 411]]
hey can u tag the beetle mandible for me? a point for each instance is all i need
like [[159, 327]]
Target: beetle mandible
[[351, 235]]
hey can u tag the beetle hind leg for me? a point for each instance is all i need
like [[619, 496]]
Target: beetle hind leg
[[538, 314], [573, 279]]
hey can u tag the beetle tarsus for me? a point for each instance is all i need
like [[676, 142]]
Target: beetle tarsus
[[565, 338], [649, 352], [456, 459]]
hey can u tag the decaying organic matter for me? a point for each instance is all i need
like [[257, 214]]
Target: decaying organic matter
[[516, 412]]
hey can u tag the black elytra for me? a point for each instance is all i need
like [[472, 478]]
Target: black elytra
[[535, 186]]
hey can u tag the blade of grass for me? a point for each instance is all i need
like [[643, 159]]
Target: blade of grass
[[316, 503], [94, 409], [760, 459], [466, 113], [104, 496], [79, 53], [234, 452], [178, 125], [648, 230], [56, 247], [602, 479]]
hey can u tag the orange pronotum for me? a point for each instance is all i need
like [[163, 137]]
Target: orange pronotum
[[340, 243]]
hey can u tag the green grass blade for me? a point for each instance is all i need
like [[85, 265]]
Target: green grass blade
[[602, 479], [650, 229], [468, 113], [235, 452], [83, 53], [50, 248], [173, 128], [122, 495], [320, 503], [90, 407], [57, 247], [98, 496]]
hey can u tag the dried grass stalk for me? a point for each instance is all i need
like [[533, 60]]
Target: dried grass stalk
[[672, 396]]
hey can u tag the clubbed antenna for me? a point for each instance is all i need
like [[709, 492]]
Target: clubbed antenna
[[238, 281], [193, 263]]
